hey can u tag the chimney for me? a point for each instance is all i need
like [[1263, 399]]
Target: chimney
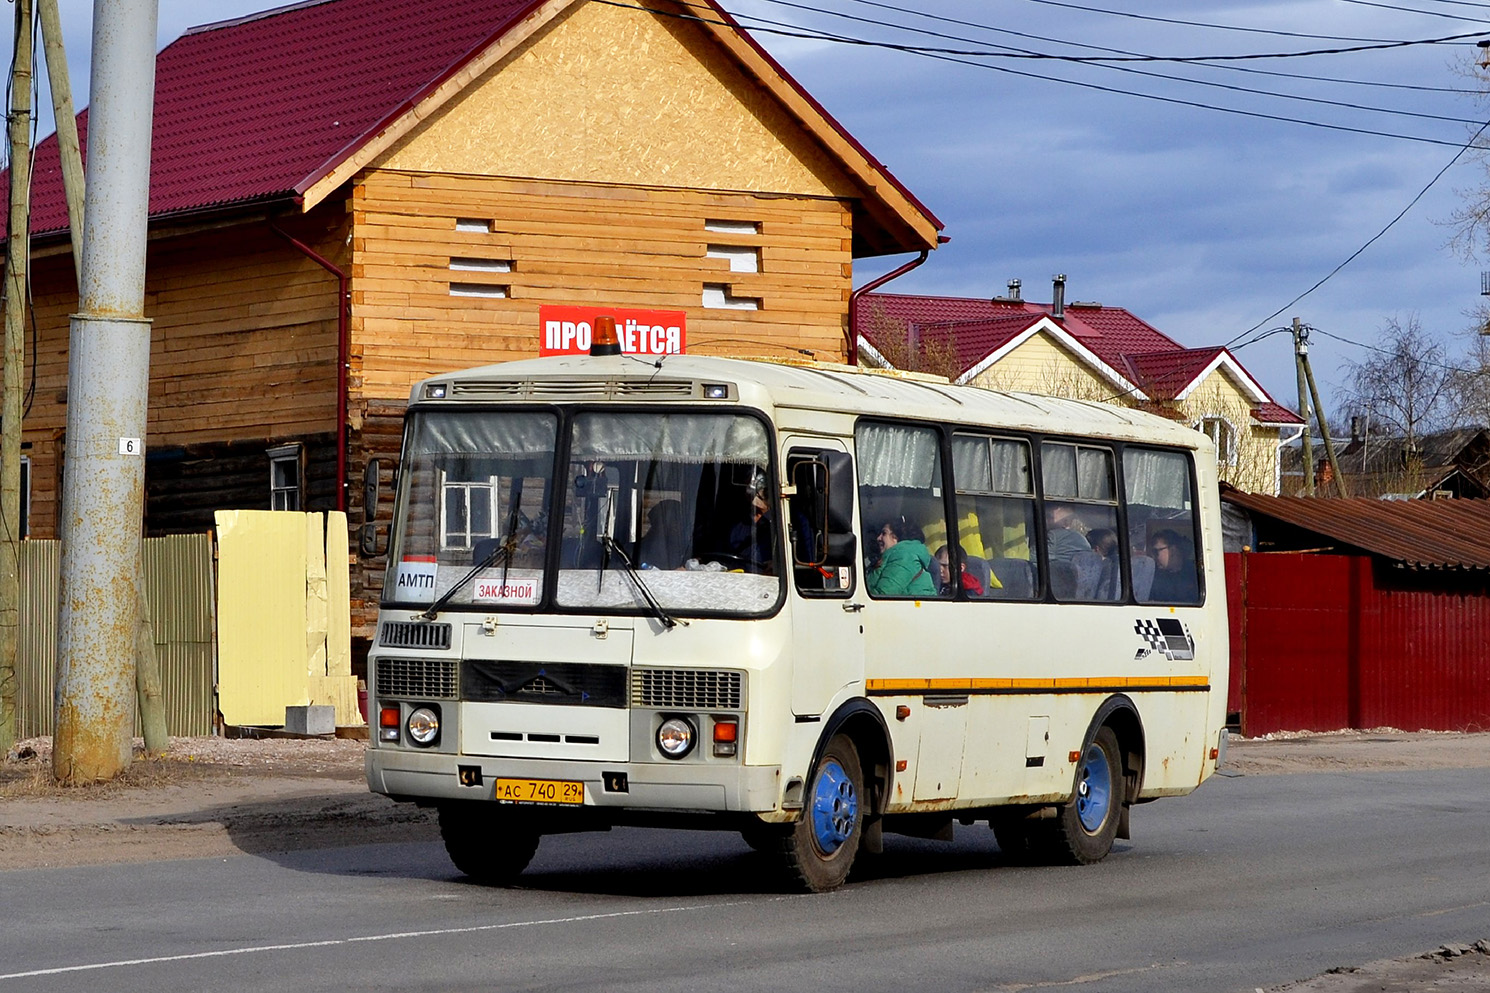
[[1014, 285], [1058, 296], [1357, 428]]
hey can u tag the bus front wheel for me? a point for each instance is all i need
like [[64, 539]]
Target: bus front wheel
[[489, 848], [1084, 828], [821, 847]]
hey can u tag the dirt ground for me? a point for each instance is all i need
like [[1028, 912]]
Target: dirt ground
[[218, 796]]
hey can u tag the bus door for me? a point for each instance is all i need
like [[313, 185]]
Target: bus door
[[826, 599]]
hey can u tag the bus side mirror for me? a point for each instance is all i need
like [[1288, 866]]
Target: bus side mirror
[[825, 496], [843, 546]]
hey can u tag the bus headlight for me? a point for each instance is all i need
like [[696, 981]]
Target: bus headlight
[[675, 737], [423, 726]]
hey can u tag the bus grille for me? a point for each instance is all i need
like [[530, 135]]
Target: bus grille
[[428, 678], [409, 634], [686, 689]]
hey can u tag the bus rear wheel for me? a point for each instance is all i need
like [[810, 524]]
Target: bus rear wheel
[[1083, 830], [491, 849], [819, 851]]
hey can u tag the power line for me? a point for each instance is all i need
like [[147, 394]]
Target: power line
[[1388, 351], [1415, 10], [1118, 51], [942, 56], [1370, 241], [1194, 24], [1121, 68]]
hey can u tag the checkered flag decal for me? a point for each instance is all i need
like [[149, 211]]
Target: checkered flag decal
[[1166, 636]]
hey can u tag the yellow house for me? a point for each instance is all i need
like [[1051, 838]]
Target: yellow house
[[1085, 351]]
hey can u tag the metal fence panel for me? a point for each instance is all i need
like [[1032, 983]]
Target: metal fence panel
[[1340, 641], [178, 577]]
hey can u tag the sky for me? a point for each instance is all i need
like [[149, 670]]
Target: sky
[[1204, 222]]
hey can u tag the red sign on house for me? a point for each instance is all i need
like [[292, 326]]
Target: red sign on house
[[565, 330]]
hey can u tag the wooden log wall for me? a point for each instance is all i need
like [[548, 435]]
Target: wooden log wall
[[185, 484], [580, 243], [243, 346]]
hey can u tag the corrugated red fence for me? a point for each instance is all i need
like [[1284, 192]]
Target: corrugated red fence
[[1322, 642]]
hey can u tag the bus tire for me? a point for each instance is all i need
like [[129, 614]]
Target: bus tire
[[492, 850], [1083, 829], [819, 851]]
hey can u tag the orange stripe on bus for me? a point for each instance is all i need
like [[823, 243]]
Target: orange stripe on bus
[[1070, 683]]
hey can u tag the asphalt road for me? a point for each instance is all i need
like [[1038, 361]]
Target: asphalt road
[[1248, 883]]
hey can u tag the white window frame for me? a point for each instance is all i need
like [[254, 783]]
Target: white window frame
[[282, 497], [1225, 436]]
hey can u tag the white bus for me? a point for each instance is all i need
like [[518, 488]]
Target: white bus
[[703, 592]]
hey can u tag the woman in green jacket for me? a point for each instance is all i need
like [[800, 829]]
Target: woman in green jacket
[[905, 567]]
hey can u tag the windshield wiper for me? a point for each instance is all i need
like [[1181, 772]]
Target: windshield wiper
[[434, 608], [668, 620]]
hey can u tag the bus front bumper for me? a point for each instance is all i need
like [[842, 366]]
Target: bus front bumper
[[405, 774]]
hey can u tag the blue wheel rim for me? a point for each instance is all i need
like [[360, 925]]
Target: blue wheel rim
[[835, 807], [1094, 789]]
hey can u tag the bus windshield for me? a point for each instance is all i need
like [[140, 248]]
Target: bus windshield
[[669, 509]]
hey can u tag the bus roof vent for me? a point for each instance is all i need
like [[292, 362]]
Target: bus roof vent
[[573, 389]]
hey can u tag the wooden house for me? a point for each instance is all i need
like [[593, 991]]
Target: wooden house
[[350, 195], [1085, 351]]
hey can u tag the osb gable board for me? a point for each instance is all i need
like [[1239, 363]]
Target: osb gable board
[[609, 95]]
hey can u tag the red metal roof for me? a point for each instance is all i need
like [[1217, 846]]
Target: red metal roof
[[261, 107], [1275, 413], [1155, 362], [253, 109], [1162, 375], [1419, 534]]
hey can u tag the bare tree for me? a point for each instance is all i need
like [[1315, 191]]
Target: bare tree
[[1406, 386], [906, 348]]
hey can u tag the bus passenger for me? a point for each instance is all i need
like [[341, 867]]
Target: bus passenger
[[663, 546], [905, 567], [944, 573], [748, 544], [1063, 539], [1174, 569]]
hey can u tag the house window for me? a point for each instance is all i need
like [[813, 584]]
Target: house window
[[1223, 433], [284, 477]]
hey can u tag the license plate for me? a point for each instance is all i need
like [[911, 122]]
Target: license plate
[[539, 791]]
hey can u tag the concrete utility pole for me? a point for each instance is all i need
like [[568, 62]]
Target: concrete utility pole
[[147, 666], [108, 386], [17, 259], [1300, 354]]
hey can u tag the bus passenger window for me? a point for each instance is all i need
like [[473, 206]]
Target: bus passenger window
[[901, 507], [1161, 527], [996, 515], [1081, 522]]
